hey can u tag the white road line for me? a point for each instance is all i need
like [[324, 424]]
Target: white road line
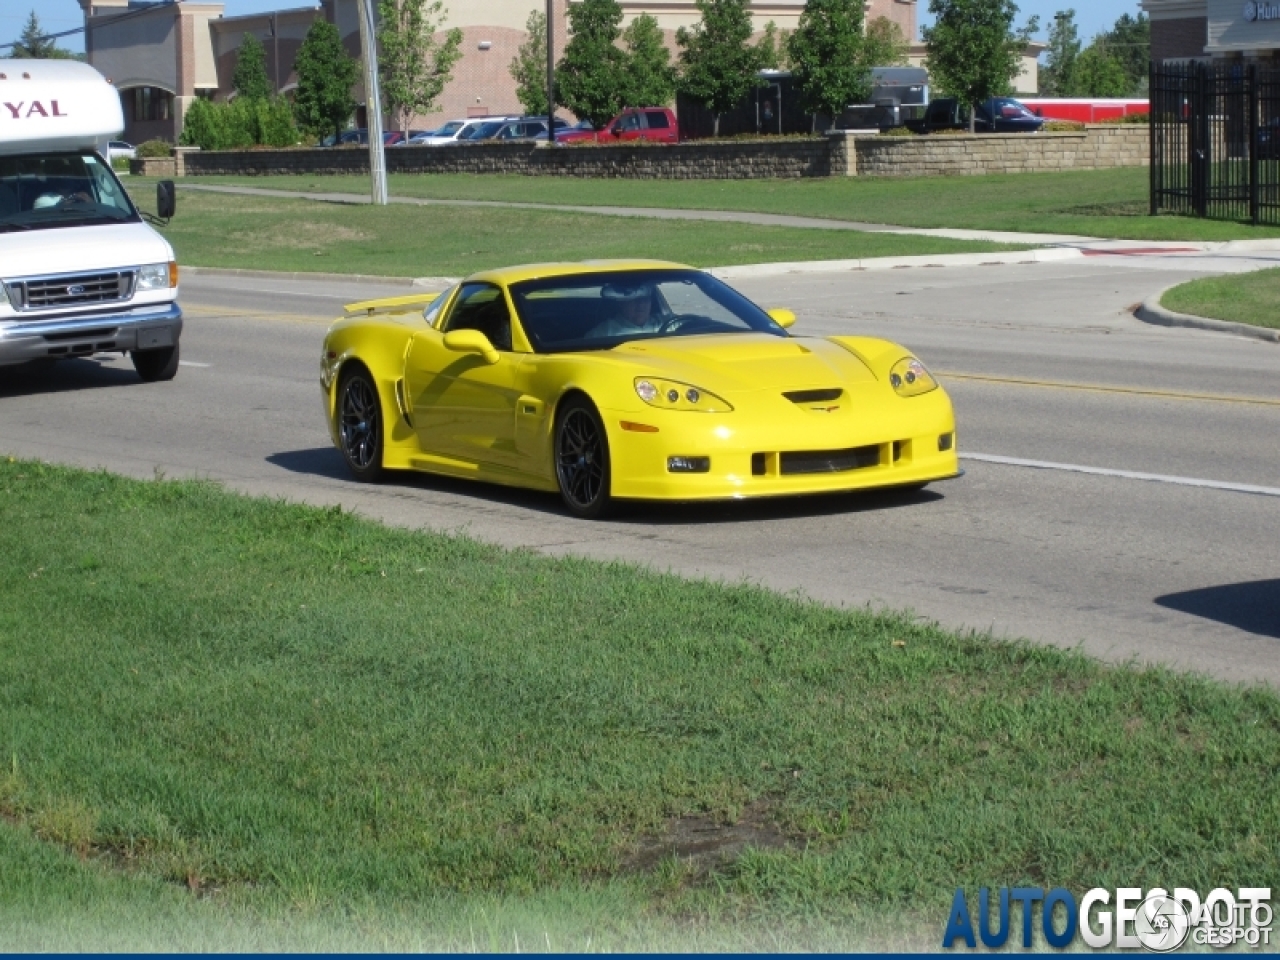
[[1123, 474], [189, 363]]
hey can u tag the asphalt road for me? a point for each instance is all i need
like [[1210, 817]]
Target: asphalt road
[[1043, 362]]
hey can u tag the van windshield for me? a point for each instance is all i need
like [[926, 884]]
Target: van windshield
[[52, 190]]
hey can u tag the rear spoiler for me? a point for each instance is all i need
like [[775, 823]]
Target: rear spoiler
[[390, 304]]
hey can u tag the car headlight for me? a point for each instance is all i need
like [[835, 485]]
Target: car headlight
[[671, 395], [158, 276], [910, 379]]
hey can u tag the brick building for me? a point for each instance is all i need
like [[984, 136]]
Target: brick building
[[162, 55]]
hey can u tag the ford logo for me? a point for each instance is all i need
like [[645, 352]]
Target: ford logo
[[75, 290]]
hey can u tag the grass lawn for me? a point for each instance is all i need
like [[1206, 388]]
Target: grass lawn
[[262, 233], [226, 712], [1094, 203], [1243, 297]]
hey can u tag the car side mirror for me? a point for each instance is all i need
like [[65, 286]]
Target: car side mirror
[[166, 199], [782, 316], [471, 341]]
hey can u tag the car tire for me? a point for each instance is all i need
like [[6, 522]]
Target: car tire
[[360, 425], [581, 452], [156, 365]]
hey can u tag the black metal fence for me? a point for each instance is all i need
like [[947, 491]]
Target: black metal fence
[[1215, 141]]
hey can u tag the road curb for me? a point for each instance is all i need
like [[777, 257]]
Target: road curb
[[1151, 311], [753, 270], [307, 275]]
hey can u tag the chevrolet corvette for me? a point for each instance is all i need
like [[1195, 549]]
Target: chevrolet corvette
[[621, 380]]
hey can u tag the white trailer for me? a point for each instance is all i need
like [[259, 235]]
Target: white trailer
[[81, 271]]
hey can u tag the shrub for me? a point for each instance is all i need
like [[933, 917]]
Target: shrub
[[1062, 126], [239, 124], [898, 132], [154, 148]]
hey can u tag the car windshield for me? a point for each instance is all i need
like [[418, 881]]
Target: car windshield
[[60, 190], [1010, 109], [598, 311], [481, 131]]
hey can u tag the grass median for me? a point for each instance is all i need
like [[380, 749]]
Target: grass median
[[218, 708], [1091, 203], [1252, 298], [263, 233]]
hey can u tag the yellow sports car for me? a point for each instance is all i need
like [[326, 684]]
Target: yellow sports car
[[614, 380]]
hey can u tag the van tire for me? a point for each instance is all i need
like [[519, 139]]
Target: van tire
[[156, 365]]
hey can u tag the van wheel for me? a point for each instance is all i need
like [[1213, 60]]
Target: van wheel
[[155, 365]]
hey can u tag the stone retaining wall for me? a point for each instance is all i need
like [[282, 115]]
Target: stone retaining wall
[[1096, 147], [846, 153], [731, 160]]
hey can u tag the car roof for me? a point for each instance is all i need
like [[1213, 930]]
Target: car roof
[[537, 271]]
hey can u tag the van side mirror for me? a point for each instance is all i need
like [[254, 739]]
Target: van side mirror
[[166, 199]]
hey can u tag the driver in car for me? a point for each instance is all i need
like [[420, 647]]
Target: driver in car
[[633, 311]]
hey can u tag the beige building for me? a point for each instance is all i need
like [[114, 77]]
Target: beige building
[[1214, 29]]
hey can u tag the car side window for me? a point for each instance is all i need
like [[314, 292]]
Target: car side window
[[657, 120], [481, 306], [630, 122]]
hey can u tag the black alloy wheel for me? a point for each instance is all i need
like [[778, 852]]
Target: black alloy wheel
[[360, 425], [582, 460]]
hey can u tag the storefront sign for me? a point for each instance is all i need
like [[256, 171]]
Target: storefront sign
[[1255, 10]]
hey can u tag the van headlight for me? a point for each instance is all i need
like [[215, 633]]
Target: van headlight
[[157, 276], [910, 379]]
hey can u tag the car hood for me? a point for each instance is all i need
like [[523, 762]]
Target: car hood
[[30, 253], [736, 363]]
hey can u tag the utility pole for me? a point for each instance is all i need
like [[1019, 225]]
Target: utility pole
[[551, 77], [373, 104]]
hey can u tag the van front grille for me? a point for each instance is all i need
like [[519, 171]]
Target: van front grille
[[44, 293]]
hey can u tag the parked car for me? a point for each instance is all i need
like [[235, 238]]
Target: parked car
[[485, 130], [346, 138], [634, 123], [529, 129], [119, 150], [996, 115], [456, 130]]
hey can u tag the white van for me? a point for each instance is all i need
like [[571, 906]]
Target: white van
[[81, 272]]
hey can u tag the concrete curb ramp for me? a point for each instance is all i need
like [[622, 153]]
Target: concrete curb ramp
[[1151, 311]]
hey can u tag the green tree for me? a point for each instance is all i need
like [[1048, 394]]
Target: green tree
[[1129, 42], [322, 102], [829, 57], [529, 66], [413, 66], [34, 45], [718, 63], [772, 48], [1098, 74], [974, 52], [589, 77], [250, 76], [1058, 78], [649, 79], [887, 44]]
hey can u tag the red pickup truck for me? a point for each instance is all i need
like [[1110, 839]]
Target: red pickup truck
[[634, 123]]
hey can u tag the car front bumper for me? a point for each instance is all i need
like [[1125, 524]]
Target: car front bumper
[[80, 335], [915, 444]]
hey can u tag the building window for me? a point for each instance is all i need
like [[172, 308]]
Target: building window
[[152, 103]]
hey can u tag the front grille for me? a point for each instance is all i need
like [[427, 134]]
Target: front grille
[[813, 396], [43, 293], [829, 461]]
